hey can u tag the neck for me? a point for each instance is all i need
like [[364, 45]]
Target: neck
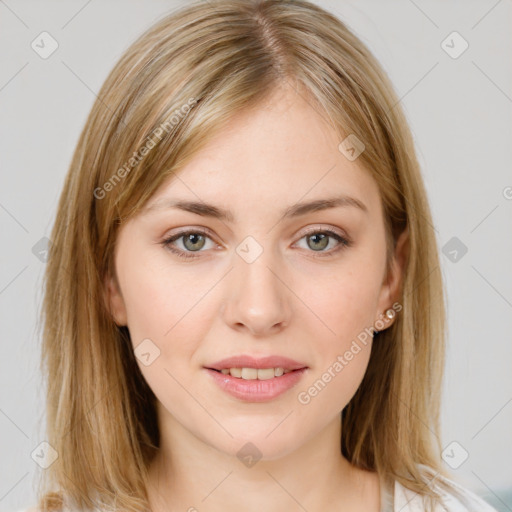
[[188, 474]]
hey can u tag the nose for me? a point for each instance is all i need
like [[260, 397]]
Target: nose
[[257, 299]]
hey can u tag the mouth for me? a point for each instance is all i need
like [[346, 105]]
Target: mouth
[[256, 379]]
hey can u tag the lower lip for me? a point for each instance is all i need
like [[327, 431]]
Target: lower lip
[[256, 390]]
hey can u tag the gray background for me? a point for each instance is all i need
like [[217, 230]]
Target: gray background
[[460, 113]]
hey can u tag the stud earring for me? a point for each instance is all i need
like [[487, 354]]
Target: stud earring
[[390, 313]]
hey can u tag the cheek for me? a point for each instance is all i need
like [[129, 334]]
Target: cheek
[[158, 299], [341, 362], [173, 309], [343, 302], [334, 386], [346, 305], [167, 315], [149, 300]]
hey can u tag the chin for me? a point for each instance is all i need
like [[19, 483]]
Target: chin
[[264, 443]]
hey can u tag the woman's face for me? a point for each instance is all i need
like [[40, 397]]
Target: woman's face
[[266, 276]]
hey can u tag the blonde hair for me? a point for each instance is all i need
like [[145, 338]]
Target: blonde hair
[[171, 91]]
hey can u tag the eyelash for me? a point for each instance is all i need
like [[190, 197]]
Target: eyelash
[[343, 242]]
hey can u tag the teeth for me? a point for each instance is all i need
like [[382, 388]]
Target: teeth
[[255, 373]]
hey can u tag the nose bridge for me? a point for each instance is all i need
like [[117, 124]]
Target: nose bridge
[[256, 297]]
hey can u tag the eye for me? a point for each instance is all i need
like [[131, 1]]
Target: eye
[[193, 241], [319, 239]]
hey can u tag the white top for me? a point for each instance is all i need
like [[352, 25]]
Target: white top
[[460, 499], [405, 500]]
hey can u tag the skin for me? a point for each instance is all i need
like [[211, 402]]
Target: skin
[[290, 301]]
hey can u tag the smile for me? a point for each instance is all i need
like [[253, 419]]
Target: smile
[[254, 373]]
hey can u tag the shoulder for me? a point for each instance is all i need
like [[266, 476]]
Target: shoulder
[[454, 498]]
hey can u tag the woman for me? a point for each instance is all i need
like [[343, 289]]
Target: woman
[[243, 304]]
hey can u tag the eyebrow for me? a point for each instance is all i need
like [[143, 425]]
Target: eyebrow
[[296, 210]]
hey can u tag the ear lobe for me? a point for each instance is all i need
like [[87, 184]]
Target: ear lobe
[[114, 301]]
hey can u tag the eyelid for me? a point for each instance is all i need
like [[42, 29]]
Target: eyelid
[[327, 228], [178, 232]]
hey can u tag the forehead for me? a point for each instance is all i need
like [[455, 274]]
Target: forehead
[[277, 153]]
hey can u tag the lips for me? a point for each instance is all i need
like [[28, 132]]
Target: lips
[[256, 379]]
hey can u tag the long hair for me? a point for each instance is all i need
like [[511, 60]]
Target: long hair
[[167, 96]]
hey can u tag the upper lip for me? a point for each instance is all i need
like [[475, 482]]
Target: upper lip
[[246, 361]]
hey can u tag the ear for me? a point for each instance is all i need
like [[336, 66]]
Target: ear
[[114, 300], [392, 285]]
